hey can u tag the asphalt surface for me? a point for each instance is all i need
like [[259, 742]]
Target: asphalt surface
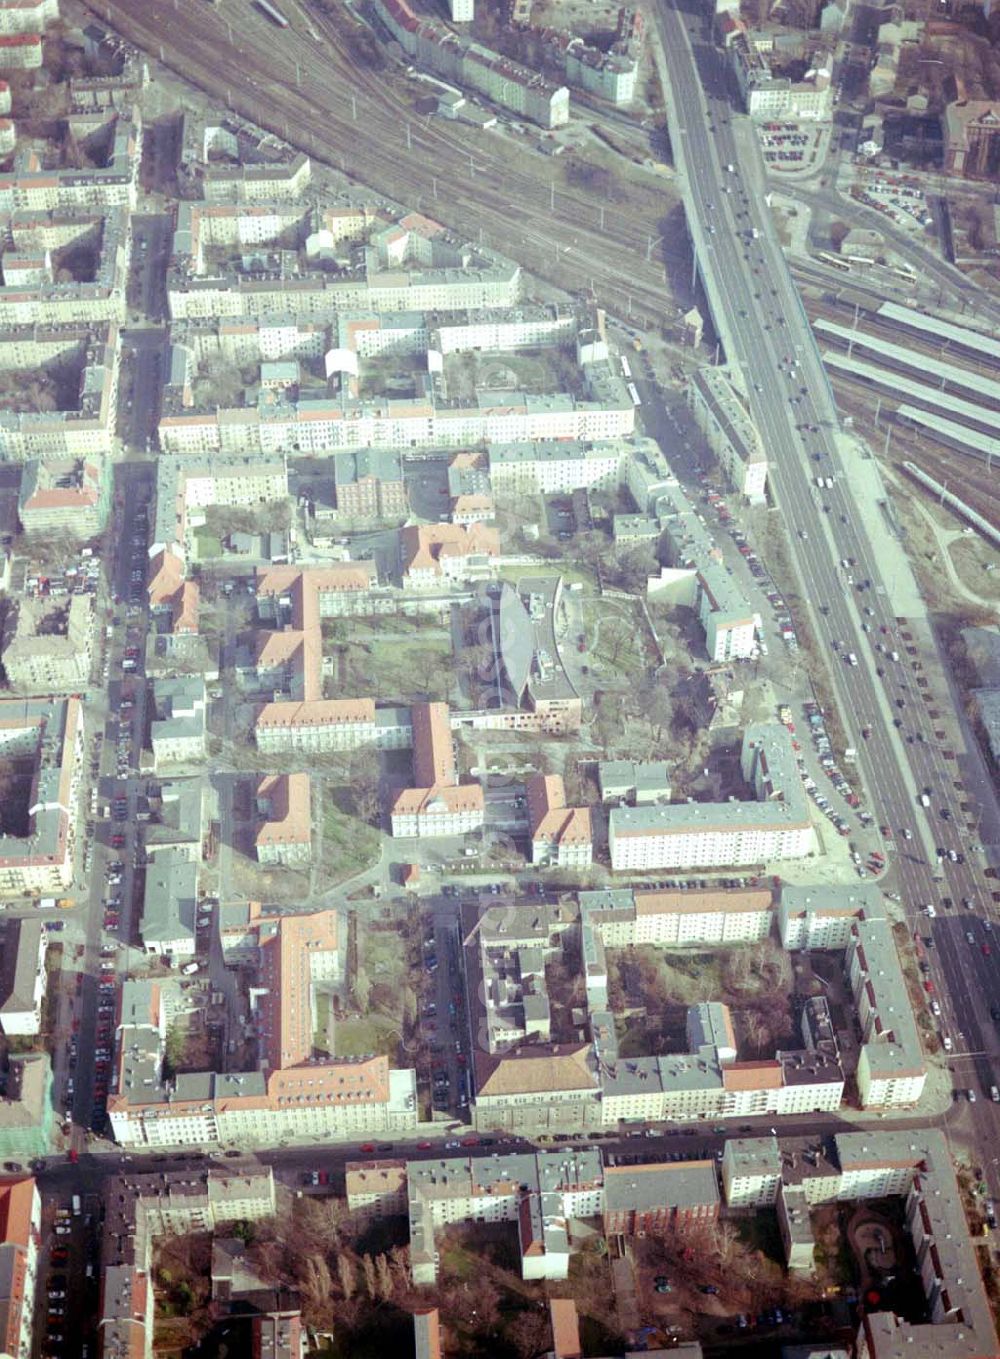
[[764, 330]]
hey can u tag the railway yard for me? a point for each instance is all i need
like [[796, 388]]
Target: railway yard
[[506, 531], [315, 92], [325, 86]]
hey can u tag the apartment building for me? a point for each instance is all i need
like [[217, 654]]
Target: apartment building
[[34, 294], [525, 326], [31, 185], [292, 1093], [917, 1166], [751, 1172], [722, 416], [459, 59], [776, 827], [320, 425], [64, 496], [256, 183], [140, 1208], [427, 1324], [536, 1191], [530, 468], [184, 487], [27, 1108], [369, 484], [699, 1085], [20, 1237], [470, 491], [50, 733], [505, 961], [375, 1189], [445, 275], [674, 919], [555, 1088], [84, 430], [177, 732], [22, 977], [661, 1197], [729, 622], [20, 51], [696, 576], [769, 96], [891, 1067], [823, 917], [560, 836], [27, 16], [170, 906], [50, 646], [284, 837], [437, 804]]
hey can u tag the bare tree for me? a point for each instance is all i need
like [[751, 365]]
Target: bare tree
[[346, 1275], [655, 705], [316, 1286], [616, 636], [385, 1282], [399, 1258], [368, 1269], [755, 1030], [361, 989], [529, 1332]]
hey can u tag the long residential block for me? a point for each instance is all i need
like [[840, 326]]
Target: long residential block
[[703, 834]]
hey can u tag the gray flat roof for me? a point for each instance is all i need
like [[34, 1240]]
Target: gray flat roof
[[899, 386], [985, 387], [940, 329]]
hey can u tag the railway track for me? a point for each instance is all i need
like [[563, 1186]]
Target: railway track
[[969, 478], [318, 98]]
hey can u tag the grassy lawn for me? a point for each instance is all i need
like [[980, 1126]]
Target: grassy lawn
[[619, 639], [349, 844], [970, 557], [359, 1037], [382, 961], [399, 668], [206, 544]]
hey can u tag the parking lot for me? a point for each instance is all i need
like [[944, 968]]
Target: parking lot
[[66, 1295], [790, 146], [897, 197]]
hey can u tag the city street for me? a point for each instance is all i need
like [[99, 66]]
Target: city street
[[766, 335]]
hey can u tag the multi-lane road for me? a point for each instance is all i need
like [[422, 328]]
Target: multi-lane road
[[766, 336]]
